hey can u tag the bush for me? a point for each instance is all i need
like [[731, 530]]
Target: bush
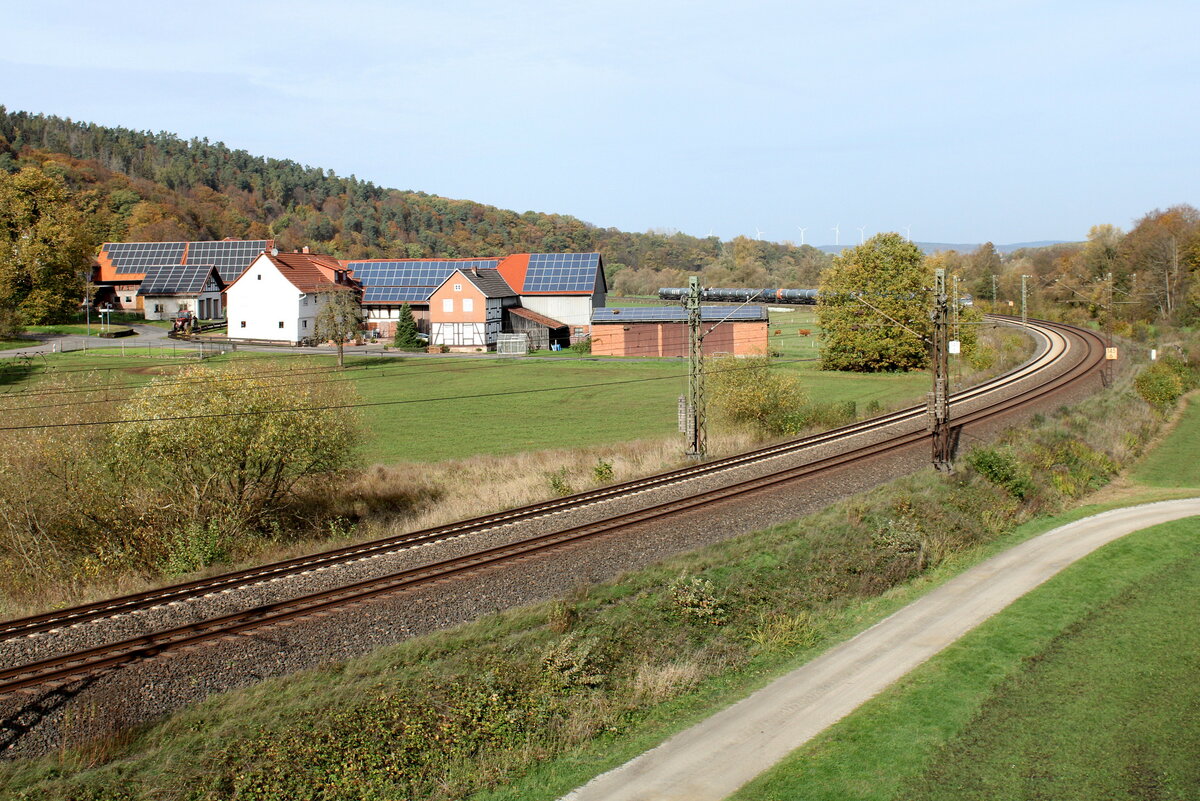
[[695, 597], [582, 346], [1159, 385], [747, 392], [1001, 467], [602, 471]]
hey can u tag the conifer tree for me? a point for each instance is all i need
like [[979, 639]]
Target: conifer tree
[[406, 331]]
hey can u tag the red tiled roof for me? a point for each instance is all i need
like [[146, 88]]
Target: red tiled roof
[[540, 319], [512, 270], [308, 272]]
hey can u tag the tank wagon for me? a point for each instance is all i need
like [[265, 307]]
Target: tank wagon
[[802, 297]]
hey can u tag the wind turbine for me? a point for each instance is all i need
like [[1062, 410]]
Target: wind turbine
[[862, 236], [837, 241], [908, 232], [802, 230], [758, 233]]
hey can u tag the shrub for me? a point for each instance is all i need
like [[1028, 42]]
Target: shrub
[[1159, 385], [748, 392], [582, 346], [1001, 467], [695, 597], [602, 471], [558, 482]]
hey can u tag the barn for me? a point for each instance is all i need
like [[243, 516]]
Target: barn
[[663, 331], [121, 267], [554, 292]]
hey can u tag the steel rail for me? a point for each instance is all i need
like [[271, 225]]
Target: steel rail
[[151, 599], [72, 667]]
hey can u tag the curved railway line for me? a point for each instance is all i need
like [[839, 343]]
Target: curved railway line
[[1066, 354]]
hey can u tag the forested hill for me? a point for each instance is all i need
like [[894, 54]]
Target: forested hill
[[142, 186]]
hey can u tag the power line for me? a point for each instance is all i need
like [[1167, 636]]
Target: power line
[[415, 365], [371, 404]]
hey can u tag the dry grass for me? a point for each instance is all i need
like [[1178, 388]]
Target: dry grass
[[395, 499], [654, 683]]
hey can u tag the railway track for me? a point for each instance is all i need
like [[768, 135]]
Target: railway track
[[1081, 351]]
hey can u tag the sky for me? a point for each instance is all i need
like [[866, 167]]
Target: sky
[[957, 122]]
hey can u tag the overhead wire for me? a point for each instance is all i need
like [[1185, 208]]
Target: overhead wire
[[363, 405]]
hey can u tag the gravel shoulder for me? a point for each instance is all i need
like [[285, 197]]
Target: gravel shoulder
[[715, 758]]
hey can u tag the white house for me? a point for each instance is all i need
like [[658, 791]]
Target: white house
[[278, 296]]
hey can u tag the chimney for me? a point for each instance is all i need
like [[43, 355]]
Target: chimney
[[475, 270], [304, 249]]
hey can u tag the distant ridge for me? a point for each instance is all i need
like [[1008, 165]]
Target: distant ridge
[[935, 247]]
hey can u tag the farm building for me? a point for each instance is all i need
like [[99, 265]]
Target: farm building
[[467, 310], [168, 290], [121, 267], [663, 331], [278, 296], [555, 292]]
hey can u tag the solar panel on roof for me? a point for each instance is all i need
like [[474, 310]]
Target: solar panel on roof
[[396, 294], [174, 279], [424, 273], [230, 258], [562, 272]]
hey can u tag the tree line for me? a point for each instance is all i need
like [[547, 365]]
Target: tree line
[[76, 185], [159, 187]]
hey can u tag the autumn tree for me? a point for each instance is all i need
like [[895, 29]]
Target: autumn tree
[[339, 316], [45, 249], [228, 446], [873, 307], [1159, 260]]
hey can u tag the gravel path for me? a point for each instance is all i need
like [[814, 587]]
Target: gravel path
[[713, 759]]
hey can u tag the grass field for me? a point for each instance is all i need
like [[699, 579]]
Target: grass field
[[1174, 463], [76, 329], [1088, 676], [509, 405]]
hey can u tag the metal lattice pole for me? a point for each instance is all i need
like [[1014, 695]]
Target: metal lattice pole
[[1024, 301], [939, 397], [697, 445]]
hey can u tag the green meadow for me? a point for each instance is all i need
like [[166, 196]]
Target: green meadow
[[430, 409]]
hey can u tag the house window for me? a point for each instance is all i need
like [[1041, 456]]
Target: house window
[[447, 304], [158, 307], [458, 287], [243, 323], [260, 276], [468, 304], [281, 323], [128, 300], [306, 323]]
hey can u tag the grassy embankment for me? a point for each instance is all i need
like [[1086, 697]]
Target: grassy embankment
[[1083, 689], [529, 703]]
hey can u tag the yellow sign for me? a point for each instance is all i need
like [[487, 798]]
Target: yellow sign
[[1110, 354]]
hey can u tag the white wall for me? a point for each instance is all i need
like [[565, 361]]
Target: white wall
[[571, 310], [262, 298], [170, 306]]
